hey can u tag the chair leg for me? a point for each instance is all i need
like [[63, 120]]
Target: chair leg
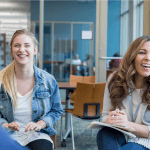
[[73, 145]]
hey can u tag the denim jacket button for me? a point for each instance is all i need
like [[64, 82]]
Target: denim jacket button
[[3, 96], [1, 107], [44, 94], [35, 111], [33, 98]]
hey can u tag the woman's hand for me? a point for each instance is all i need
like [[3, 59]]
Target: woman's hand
[[32, 126], [118, 117], [13, 126]]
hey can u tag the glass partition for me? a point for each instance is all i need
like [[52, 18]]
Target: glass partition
[[63, 41]]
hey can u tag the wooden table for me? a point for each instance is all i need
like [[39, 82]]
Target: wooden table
[[69, 87]]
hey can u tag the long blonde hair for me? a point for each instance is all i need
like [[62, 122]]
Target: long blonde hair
[[122, 82], [7, 75]]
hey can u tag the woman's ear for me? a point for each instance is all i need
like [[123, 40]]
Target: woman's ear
[[35, 50]]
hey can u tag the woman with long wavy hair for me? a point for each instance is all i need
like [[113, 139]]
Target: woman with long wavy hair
[[127, 100]]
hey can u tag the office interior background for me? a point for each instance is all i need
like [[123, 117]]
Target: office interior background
[[97, 28]]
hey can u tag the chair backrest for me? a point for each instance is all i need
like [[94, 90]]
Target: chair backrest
[[99, 94], [84, 93], [89, 79], [91, 93], [75, 79]]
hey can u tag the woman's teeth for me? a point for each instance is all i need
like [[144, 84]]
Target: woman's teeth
[[22, 55], [146, 66]]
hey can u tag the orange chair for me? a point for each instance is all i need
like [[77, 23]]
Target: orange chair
[[88, 93], [86, 79], [88, 102], [89, 79], [73, 79], [53, 137]]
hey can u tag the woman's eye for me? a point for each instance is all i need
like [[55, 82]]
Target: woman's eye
[[27, 45], [16, 46], [141, 52]]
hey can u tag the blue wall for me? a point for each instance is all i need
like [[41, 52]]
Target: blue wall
[[65, 11], [113, 32], [68, 11], [85, 12]]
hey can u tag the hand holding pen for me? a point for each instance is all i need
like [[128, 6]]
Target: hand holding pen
[[118, 117]]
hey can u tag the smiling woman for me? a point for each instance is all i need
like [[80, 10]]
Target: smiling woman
[[127, 100], [23, 50], [142, 63], [29, 96]]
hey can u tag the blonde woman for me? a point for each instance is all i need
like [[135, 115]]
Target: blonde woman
[[127, 100], [29, 97]]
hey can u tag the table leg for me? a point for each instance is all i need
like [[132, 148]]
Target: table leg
[[67, 115]]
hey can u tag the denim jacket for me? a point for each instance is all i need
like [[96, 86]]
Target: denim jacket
[[46, 103]]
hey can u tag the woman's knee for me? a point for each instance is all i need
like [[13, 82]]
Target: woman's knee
[[102, 134], [109, 133], [40, 144]]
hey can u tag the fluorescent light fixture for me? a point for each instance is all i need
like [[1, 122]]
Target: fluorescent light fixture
[[14, 20], [24, 20], [13, 26], [2, 4], [12, 14], [7, 29], [10, 21], [7, 33], [5, 13]]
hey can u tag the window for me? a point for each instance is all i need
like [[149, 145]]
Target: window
[[124, 26], [131, 22], [139, 8]]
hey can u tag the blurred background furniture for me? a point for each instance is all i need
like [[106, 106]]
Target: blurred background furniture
[[75, 79], [89, 79], [68, 87], [88, 104]]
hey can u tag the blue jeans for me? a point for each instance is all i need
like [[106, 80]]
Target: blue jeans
[[111, 139]]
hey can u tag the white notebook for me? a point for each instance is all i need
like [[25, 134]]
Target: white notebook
[[123, 129]]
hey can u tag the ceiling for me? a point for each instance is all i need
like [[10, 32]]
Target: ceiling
[[14, 14]]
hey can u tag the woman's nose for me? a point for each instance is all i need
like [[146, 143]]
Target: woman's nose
[[21, 48]]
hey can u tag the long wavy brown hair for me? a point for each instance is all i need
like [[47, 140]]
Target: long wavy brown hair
[[122, 82]]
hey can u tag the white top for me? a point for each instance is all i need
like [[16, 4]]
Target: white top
[[76, 62], [136, 98], [22, 116]]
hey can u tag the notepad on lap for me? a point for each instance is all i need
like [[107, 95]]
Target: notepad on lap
[[123, 129]]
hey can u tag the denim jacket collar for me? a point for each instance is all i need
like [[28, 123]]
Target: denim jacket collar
[[38, 77]]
